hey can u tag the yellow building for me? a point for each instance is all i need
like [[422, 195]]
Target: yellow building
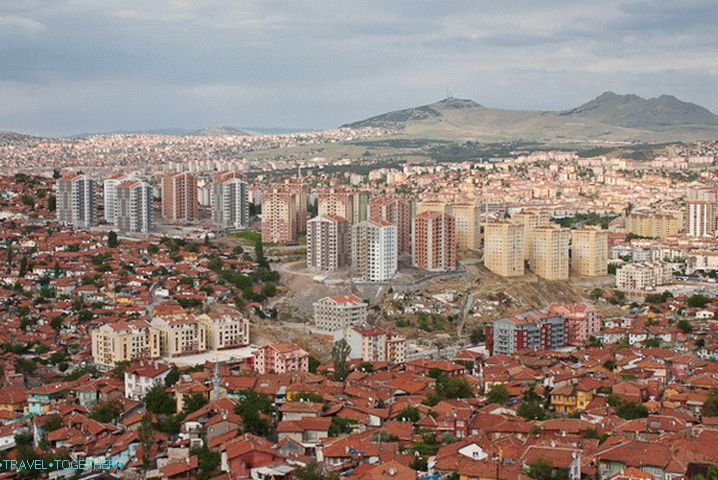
[[570, 398], [433, 206], [654, 225], [503, 248], [530, 221], [124, 342], [467, 216], [589, 248], [549, 255], [181, 335], [468, 225]]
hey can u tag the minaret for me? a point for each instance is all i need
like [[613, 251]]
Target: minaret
[[216, 380]]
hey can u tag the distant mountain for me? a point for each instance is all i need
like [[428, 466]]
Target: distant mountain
[[633, 111], [607, 118], [11, 137], [424, 112], [208, 131], [219, 131]]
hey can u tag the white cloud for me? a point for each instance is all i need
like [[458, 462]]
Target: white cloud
[[10, 22]]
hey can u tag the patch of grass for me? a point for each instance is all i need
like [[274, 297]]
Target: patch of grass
[[250, 237]]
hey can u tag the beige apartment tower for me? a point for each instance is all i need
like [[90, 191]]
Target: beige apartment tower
[[589, 251], [503, 248], [468, 225], [549, 256], [279, 215], [653, 225], [530, 221], [335, 202]]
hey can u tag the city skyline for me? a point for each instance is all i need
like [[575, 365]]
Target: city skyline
[[74, 67]]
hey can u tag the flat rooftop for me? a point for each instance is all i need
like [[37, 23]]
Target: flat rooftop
[[229, 355]]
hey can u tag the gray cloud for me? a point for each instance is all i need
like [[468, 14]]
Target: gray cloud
[[79, 65]]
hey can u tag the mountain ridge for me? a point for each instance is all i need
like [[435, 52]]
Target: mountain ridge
[[608, 117]]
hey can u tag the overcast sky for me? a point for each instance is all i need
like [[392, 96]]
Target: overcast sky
[[69, 66]]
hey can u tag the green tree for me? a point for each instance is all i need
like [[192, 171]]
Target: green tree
[[172, 377], [685, 326], [119, 370], [107, 412], [531, 410], [314, 363], [341, 426], [194, 401], [617, 298], [308, 397], [312, 472], [498, 394], [542, 469], [340, 355], [710, 406], [52, 423], [477, 336], [698, 301], [651, 342], [711, 474], [453, 387], [366, 367], [51, 203], [208, 462], [159, 402], [146, 436], [250, 408], [409, 414], [112, 240], [631, 410]]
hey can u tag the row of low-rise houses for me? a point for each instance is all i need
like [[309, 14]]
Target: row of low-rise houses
[[556, 327], [168, 336]]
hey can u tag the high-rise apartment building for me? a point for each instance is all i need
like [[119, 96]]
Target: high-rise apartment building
[[361, 207], [179, 197], [701, 218], [550, 253], [530, 221], [504, 248], [397, 211], [433, 206], [336, 202], [133, 207], [468, 225], [301, 202], [109, 193], [589, 251], [374, 251], [279, 215], [339, 311], [230, 205], [328, 243], [434, 242], [76, 201], [653, 225]]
